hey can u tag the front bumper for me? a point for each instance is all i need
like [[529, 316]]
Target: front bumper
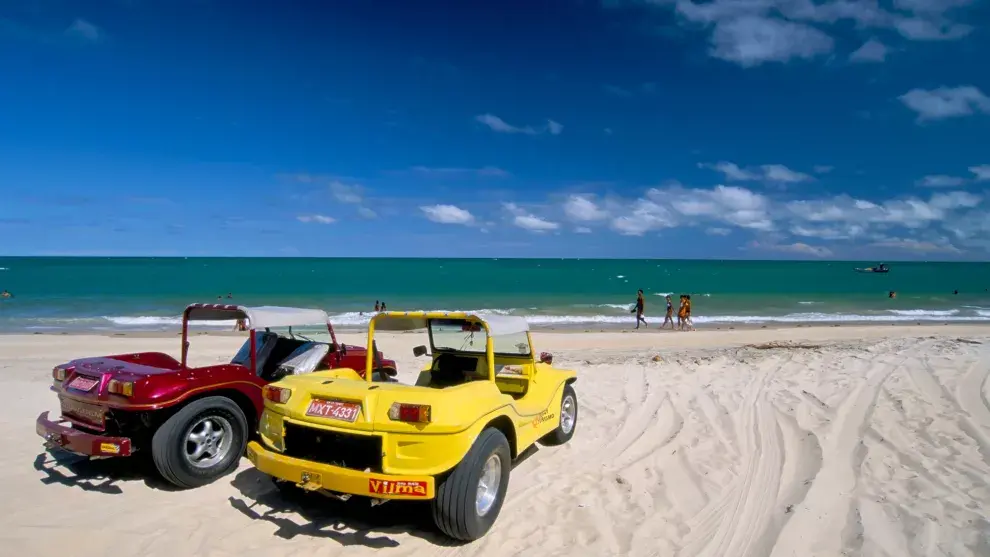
[[316, 476], [57, 434]]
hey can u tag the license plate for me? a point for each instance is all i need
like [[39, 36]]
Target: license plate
[[334, 409], [87, 412], [83, 383]]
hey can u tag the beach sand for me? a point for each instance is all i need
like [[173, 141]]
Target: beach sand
[[869, 441]]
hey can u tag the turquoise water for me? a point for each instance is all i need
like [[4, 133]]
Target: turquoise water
[[52, 293]]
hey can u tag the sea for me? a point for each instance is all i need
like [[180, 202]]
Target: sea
[[52, 294]]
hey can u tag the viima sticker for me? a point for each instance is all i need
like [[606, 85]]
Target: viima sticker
[[393, 487]]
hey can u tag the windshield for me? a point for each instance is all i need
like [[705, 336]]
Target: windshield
[[465, 336]]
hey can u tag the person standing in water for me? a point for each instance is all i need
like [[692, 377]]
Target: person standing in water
[[640, 309]]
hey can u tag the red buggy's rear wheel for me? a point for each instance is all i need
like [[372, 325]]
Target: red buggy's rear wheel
[[201, 442]]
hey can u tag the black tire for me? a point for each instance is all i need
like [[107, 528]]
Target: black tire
[[561, 435], [168, 445], [454, 510]]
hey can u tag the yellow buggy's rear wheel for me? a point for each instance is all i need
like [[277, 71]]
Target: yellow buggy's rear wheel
[[469, 499]]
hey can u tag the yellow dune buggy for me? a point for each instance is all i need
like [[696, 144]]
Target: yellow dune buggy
[[450, 438]]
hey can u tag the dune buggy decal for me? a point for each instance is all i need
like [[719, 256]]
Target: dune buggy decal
[[544, 416], [400, 487]]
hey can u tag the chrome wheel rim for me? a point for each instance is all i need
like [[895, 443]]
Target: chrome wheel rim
[[488, 484], [208, 441], [568, 414]]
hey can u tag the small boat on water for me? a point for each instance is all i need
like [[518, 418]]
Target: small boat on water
[[881, 268]]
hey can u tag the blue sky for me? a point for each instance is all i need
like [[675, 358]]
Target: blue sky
[[610, 128]]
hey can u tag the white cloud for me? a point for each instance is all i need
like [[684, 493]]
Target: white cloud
[[838, 231], [872, 51], [731, 171], [448, 214], [910, 244], [346, 193], [946, 102], [982, 172], [782, 174], [82, 29], [485, 171], [534, 223], [754, 40], [941, 181], [608, 131], [797, 248], [776, 173], [582, 209], [528, 221], [672, 206], [822, 169], [499, 125], [643, 216], [955, 200], [351, 194], [920, 29], [617, 91], [318, 219], [717, 231], [909, 213], [582, 230], [754, 32]]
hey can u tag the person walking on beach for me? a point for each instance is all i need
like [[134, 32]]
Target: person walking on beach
[[687, 313], [669, 317], [378, 306], [681, 313], [383, 306], [640, 309]]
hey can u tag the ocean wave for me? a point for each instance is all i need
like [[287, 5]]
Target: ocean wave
[[355, 319], [809, 303], [924, 312], [156, 321]]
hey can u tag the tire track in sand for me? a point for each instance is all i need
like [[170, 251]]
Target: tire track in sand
[[969, 393], [739, 522], [818, 524]]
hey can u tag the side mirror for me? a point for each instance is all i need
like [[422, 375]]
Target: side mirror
[[419, 351], [546, 358]]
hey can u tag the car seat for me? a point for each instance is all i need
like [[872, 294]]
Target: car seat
[[448, 370], [303, 359], [265, 344]]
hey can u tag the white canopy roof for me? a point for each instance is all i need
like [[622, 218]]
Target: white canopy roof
[[499, 325], [259, 317]]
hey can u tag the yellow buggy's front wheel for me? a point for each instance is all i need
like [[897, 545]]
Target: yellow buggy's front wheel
[[469, 499]]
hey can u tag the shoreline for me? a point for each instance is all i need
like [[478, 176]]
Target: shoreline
[[607, 328]]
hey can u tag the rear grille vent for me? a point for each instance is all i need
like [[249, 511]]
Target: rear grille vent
[[357, 452]]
